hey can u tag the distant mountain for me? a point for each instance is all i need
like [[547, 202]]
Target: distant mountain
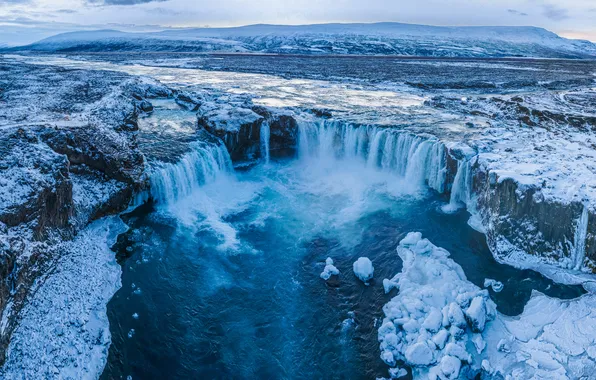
[[365, 39]]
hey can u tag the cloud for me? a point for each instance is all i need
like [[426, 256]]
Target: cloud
[[14, 2], [516, 12], [122, 2], [555, 13]]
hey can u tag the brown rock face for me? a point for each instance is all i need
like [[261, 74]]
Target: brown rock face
[[243, 138]]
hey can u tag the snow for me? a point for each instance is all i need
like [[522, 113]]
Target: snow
[[551, 339], [425, 325], [373, 38], [64, 331], [363, 269], [330, 270]]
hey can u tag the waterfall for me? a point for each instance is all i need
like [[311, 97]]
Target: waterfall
[[265, 136], [461, 192], [419, 159], [172, 181], [579, 246]]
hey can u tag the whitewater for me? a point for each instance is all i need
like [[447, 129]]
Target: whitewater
[[359, 255], [224, 266]]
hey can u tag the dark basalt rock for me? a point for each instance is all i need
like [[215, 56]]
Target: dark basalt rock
[[525, 220], [107, 152], [188, 101], [42, 182]]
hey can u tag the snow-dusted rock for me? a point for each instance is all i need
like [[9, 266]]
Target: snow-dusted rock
[[363, 269]]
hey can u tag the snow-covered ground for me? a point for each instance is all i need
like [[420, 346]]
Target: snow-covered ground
[[439, 323], [370, 39], [444, 327], [64, 330]]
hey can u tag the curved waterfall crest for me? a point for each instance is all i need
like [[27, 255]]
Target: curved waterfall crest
[[420, 160]]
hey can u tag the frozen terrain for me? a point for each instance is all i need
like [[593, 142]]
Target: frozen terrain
[[444, 327], [242, 182], [362, 39]]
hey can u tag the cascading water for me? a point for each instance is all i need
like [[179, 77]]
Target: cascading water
[[581, 233], [420, 160], [172, 181], [265, 136], [236, 265], [461, 192]]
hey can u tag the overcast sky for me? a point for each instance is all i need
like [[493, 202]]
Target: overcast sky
[[25, 21]]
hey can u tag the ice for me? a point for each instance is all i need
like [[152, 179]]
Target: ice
[[330, 270], [419, 354], [476, 314], [396, 373], [551, 339], [450, 367], [431, 331], [497, 286], [363, 269]]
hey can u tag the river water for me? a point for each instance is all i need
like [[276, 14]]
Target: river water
[[221, 280]]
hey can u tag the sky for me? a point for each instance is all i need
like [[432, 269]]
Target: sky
[[26, 21]]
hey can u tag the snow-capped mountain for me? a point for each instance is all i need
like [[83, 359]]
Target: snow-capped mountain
[[365, 39]]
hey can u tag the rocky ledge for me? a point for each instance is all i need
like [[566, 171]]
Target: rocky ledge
[[68, 156]]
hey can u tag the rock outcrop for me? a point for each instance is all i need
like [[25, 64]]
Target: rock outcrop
[[239, 127], [68, 155]]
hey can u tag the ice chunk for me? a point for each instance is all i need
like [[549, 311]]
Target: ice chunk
[[433, 321], [396, 373], [497, 286], [329, 270], [389, 284], [419, 354], [363, 269], [411, 239], [476, 314], [479, 343], [388, 358], [450, 366], [456, 315], [435, 314], [441, 338]]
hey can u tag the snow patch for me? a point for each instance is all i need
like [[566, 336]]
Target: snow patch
[[64, 331]]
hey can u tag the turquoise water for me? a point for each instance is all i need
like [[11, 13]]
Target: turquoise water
[[224, 283]]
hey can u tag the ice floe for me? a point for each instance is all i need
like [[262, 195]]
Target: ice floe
[[363, 269], [445, 327]]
